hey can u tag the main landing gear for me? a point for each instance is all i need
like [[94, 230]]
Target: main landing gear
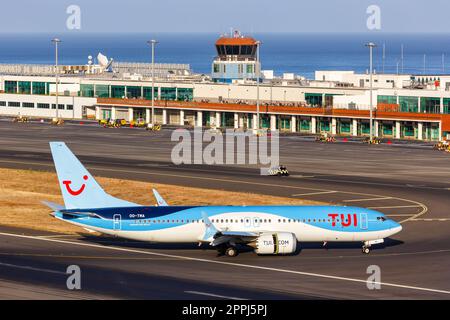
[[229, 251]]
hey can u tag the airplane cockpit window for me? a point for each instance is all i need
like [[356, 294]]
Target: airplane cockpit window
[[381, 218]]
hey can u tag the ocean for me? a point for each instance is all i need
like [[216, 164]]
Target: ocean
[[287, 52]]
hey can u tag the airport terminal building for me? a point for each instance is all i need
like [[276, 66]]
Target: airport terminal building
[[336, 102]]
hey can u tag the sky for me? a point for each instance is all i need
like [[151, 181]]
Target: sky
[[218, 16]]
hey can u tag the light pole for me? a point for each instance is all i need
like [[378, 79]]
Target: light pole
[[153, 43], [56, 41], [371, 45], [258, 76]]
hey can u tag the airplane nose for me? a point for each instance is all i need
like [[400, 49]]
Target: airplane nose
[[396, 228]]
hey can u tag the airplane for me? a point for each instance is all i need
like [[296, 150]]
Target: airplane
[[268, 230]]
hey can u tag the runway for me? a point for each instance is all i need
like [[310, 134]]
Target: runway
[[409, 183]]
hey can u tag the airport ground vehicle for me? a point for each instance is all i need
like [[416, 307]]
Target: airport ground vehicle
[[443, 145], [280, 171], [140, 123], [325, 138], [268, 230], [153, 127], [21, 119], [57, 122], [374, 140]]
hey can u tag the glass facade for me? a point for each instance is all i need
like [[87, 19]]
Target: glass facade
[[38, 87], [446, 105], [408, 130], [345, 127], [148, 92], [227, 119], [430, 105], [133, 92], [102, 91], [305, 125], [185, 94], [324, 125], [25, 87], [365, 128], [314, 99], [387, 129], [265, 121], [387, 99], [284, 123], [117, 92], [10, 86], [409, 104], [87, 90], [168, 93]]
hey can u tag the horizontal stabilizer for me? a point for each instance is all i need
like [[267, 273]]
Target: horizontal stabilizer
[[53, 206], [159, 200]]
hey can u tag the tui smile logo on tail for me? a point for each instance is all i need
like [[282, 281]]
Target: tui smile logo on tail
[[67, 183]]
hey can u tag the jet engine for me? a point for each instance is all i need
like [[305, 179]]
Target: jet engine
[[275, 243]]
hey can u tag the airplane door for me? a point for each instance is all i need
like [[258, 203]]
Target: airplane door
[[363, 221], [117, 222], [256, 222]]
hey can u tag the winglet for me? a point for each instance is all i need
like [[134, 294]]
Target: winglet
[[159, 200], [210, 229]]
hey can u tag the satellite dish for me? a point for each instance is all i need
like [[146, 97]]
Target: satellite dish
[[102, 60], [89, 60]]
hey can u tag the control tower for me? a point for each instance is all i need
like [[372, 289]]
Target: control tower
[[236, 58]]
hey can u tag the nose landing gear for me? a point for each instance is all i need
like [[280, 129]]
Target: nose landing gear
[[368, 244]]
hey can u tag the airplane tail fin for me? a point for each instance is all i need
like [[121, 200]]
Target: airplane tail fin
[[78, 187]]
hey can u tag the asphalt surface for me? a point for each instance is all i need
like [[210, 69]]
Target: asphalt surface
[[410, 183]]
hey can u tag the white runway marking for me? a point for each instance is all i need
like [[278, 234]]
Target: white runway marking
[[313, 193], [399, 215], [395, 207], [241, 265], [368, 199], [435, 219], [214, 295], [30, 268], [59, 236]]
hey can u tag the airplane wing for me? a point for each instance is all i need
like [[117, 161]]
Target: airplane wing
[[159, 200], [216, 237]]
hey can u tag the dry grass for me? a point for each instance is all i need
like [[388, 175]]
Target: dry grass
[[21, 193]]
